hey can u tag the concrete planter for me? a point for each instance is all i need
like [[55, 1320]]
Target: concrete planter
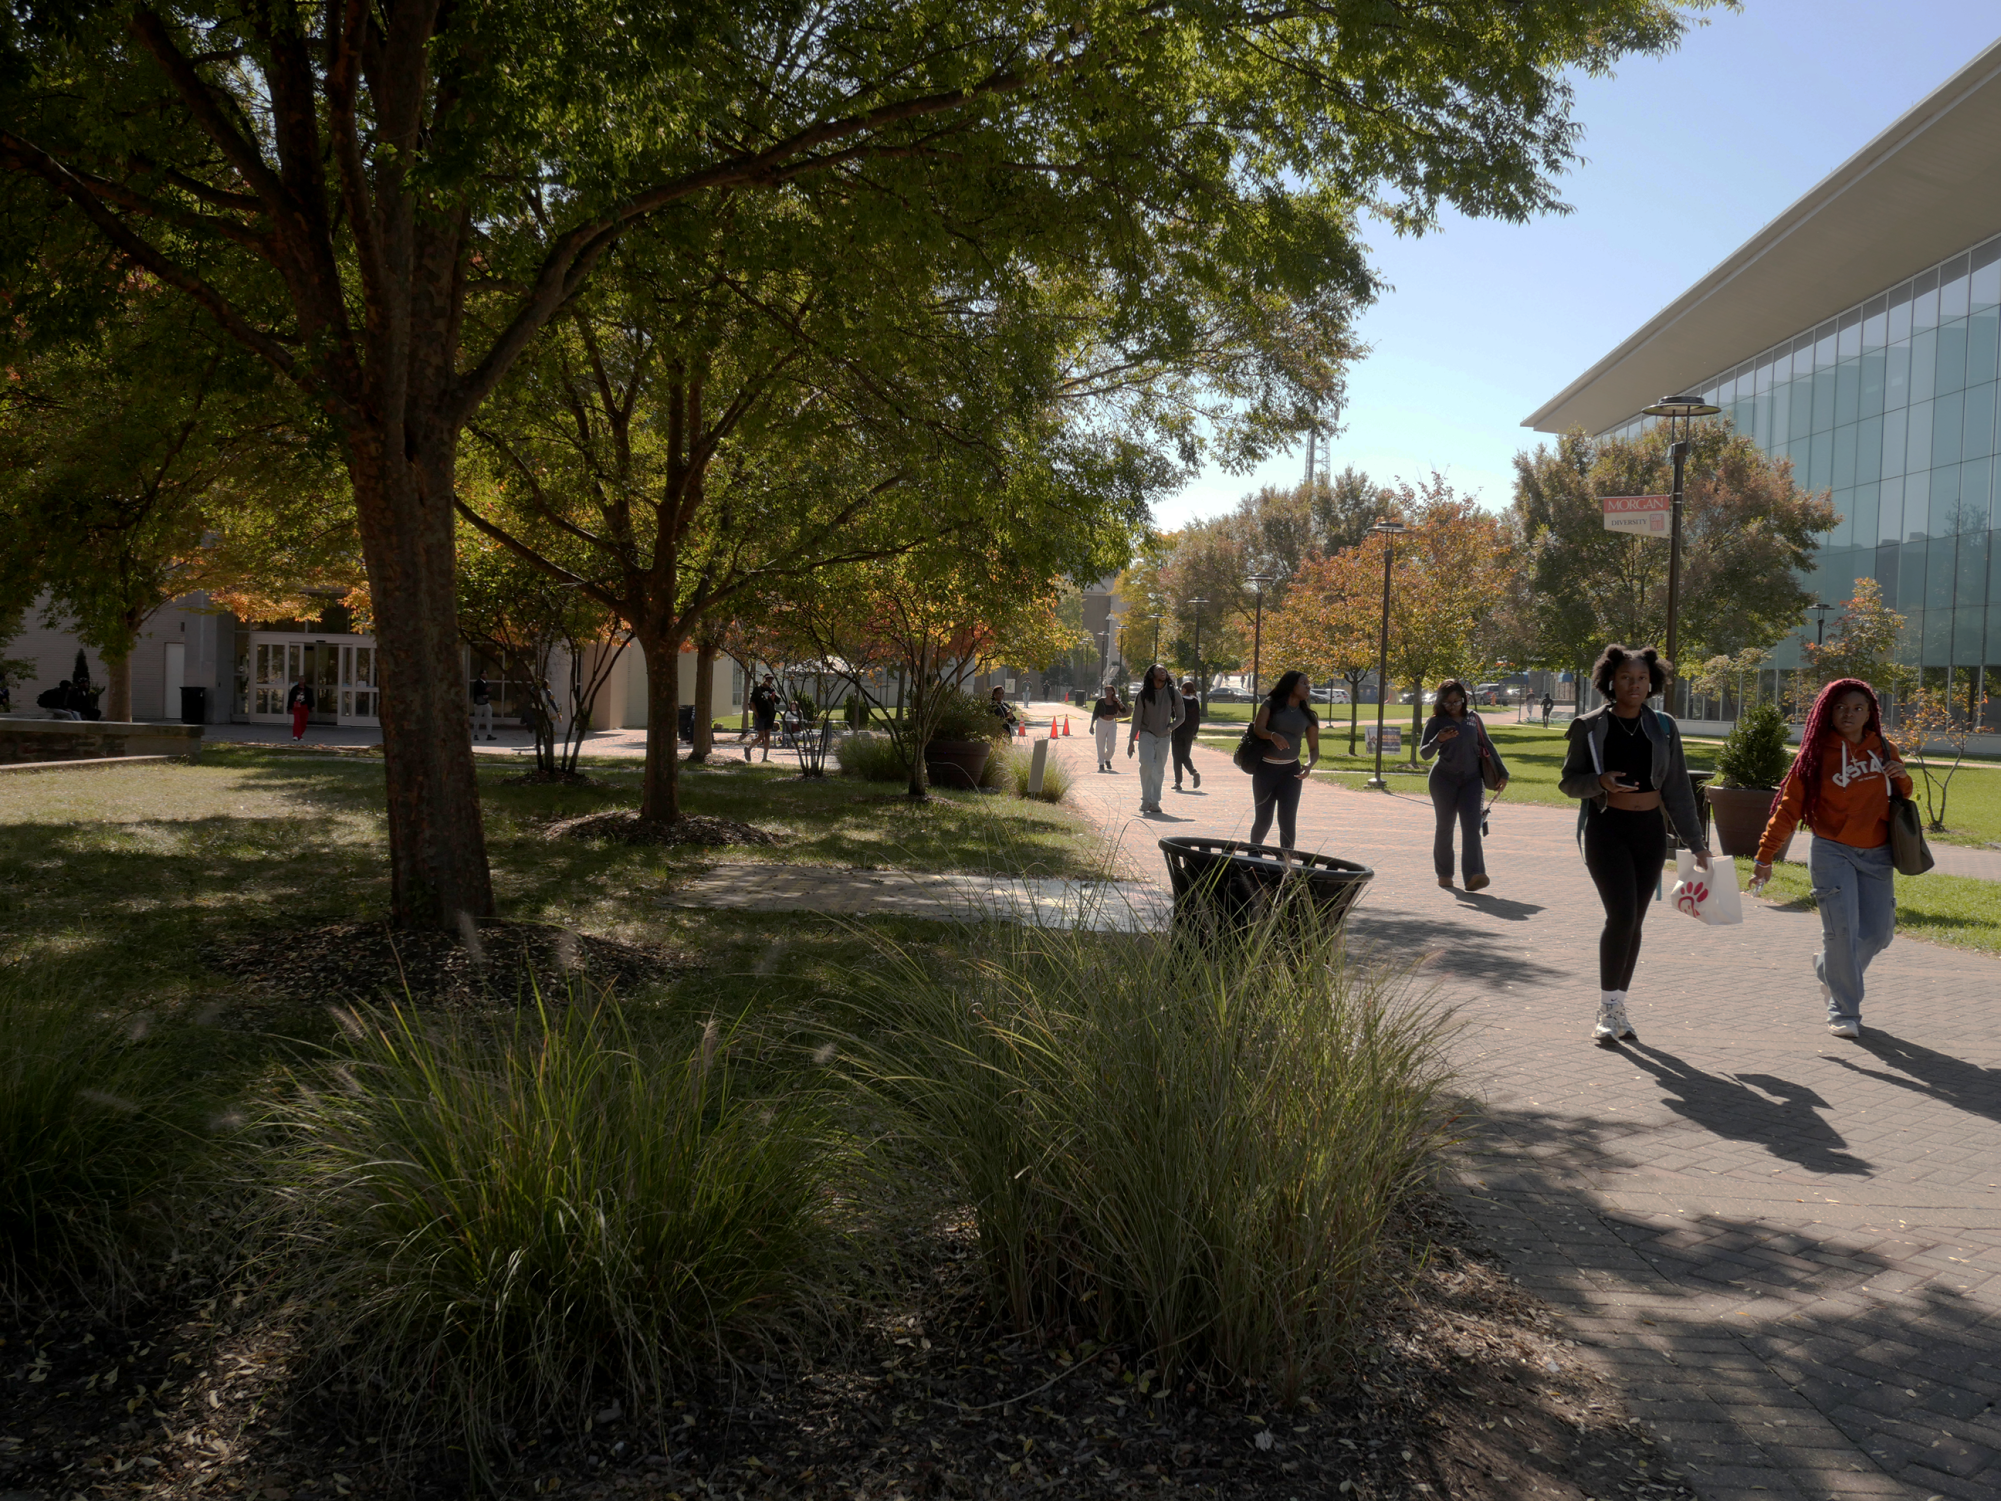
[[1741, 814], [93, 740], [956, 763]]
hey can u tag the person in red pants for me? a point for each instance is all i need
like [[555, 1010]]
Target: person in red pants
[[300, 702]]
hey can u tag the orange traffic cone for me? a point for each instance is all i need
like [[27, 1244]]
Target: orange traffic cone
[[1066, 724]]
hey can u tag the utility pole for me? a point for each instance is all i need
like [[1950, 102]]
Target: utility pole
[[1389, 526]]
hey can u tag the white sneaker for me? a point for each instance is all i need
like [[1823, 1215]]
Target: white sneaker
[[1613, 1023], [1841, 1028]]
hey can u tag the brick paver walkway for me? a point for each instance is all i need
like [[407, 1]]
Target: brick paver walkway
[[1787, 1246]]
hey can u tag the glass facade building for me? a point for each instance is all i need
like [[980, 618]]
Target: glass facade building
[[1892, 405]]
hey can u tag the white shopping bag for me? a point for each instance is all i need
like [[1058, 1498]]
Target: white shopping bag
[[1707, 895]]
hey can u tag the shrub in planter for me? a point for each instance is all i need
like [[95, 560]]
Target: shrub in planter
[[1749, 768], [961, 716]]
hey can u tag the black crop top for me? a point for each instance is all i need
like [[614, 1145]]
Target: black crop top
[[1629, 751]]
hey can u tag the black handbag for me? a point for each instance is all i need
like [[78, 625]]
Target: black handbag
[[1249, 752], [1491, 770], [1908, 851]]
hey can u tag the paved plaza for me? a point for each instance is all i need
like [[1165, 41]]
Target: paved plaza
[[1786, 1246]]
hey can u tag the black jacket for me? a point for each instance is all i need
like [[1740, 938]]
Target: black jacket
[[301, 693]]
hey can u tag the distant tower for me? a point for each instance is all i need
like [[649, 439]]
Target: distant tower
[[1311, 434]]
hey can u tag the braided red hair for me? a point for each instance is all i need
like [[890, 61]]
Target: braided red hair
[[1818, 730]]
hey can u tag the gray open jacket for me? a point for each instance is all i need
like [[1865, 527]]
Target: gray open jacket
[[1583, 763], [1156, 717]]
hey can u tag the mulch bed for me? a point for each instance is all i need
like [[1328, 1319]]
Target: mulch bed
[[368, 961], [1465, 1388], [625, 826]]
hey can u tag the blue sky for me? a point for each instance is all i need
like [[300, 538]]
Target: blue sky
[[1485, 321]]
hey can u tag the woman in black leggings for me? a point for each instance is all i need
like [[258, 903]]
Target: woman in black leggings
[[1625, 763], [1283, 720]]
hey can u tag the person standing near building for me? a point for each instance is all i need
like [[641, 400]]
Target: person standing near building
[[299, 703], [1455, 735], [1105, 716], [482, 707], [1184, 733], [763, 716], [1156, 716], [1625, 765], [1840, 783], [1283, 720]]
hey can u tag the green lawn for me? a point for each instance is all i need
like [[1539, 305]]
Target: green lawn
[[1959, 910]]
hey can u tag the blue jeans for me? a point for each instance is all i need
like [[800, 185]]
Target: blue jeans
[[1454, 797], [1858, 917]]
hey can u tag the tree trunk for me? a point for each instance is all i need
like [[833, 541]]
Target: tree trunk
[[437, 846], [660, 790], [118, 688], [705, 700], [921, 691], [1416, 716]]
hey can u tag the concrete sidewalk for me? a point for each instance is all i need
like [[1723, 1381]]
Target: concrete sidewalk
[[1787, 1246]]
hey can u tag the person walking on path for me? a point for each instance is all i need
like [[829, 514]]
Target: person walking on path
[[1840, 783], [299, 703], [1455, 735], [1284, 719], [1625, 764], [1184, 734], [1548, 703], [482, 707], [1156, 716], [763, 716], [1105, 716]]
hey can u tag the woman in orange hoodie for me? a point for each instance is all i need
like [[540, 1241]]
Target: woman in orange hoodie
[[1840, 784]]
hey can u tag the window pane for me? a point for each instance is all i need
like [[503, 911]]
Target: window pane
[[1844, 529], [1917, 509], [1820, 462], [1801, 396], [1911, 578], [1924, 366], [1842, 474], [1924, 302], [1951, 357], [1918, 447], [1939, 573], [1847, 391], [1948, 414], [1937, 647], [1977, 440], [1823, 400], [1894, 443], [1986, 291], [1968, 626], [1981, 331], [1897, 377], [1952, 289], [1975, 481], [1889, 571], [1875, 323], [1848, 340], [1871, 382], [1863, 523], [1900, 313]]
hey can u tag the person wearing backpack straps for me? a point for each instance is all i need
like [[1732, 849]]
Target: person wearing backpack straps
[[1840, 784], [1283, 720], [1458, 781], [1625, 766]]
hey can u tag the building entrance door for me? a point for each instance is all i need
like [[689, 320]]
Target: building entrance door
[[341, 672]]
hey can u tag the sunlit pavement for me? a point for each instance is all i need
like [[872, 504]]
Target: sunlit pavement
[[1784, 1244]]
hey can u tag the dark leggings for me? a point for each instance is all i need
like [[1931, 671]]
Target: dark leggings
[[1624, 853], [1182, 760], [1456, 798], [1275, 789]]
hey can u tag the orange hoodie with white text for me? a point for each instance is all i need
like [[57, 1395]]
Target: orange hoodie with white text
[[1854, 803]]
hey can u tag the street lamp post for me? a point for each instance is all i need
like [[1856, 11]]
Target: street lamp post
[[1682, 409], [1201, 677], [1258, 581], [1389, 526], [1156, 637], [1820, 610]]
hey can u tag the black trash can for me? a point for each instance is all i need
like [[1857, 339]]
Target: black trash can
[[1697, 780], [1222, 886], [194, 704], [687, 723]]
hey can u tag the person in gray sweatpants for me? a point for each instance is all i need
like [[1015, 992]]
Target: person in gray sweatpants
[[1456, 737]]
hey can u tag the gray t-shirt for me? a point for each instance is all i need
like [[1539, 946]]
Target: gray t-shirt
[[1291, 722]]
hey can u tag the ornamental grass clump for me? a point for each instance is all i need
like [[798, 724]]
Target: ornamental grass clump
[[1196, 1149], [494, 1234], [94, 1128], [872, 757]]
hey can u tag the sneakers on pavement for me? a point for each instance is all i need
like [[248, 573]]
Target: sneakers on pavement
[[1197, 775], [1613, 1023], [1844, 1028], [1445, 883]]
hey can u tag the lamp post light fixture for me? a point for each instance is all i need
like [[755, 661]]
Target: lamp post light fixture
[[1258, 581], [1389, 527], [1820, 609], [1683, 409], [1156, 637]]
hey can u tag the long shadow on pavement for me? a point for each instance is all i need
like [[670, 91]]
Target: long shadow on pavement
[[1797, 1360], [1781, 1116], [1962, 1085]]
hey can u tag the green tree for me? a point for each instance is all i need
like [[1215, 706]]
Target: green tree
[[1749, 536], [339, 187]]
